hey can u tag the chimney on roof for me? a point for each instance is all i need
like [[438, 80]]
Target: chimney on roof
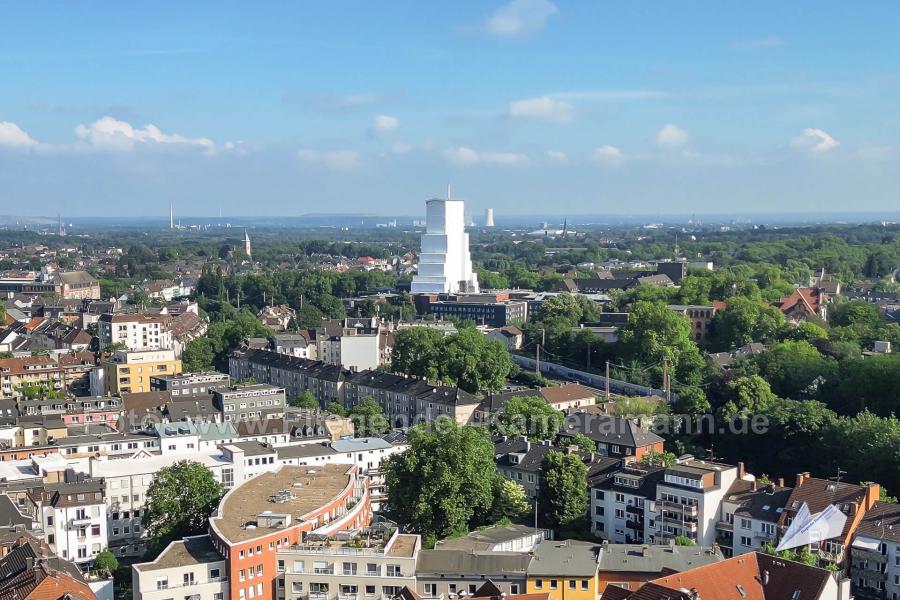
[[873, 492], [741, 470], [801, 478], [753, 485], [765, 577], [781, 482]]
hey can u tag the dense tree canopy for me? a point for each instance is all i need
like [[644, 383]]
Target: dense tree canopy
[[531, 416], [468, 359], [444, 483], [179, 502], [563, 495], [654, 334]]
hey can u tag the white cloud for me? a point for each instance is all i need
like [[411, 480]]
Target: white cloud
[[520, 17], [385, 124], [545, 107], [110, 133], [557, 156], [462, 155], [671, 135], [608, 156], [814, 140], [12, 135], [337, 160]]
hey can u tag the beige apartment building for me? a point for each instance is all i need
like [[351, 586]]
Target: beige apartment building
[[359, 568]]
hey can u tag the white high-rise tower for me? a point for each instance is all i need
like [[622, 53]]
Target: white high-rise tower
[[445, 265]]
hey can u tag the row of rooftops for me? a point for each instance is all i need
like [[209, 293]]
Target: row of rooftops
[[390, 382]]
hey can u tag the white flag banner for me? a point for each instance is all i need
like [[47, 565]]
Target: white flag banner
[[809, 529]]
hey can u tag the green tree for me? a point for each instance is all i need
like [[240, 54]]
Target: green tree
[[457, 462], [563, 496], [106, 563], [795, 369], [198, 355], [305, 400], [336, 408], [509, 501], [682, 540], [309, 317], [179, 502], [744, 321], [654, 333], [474, 362], [747, 396], [417, 352], [582, 442], [531, 416], [662, 459], [368, 418]]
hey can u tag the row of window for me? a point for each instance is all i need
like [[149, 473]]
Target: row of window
[[554, 584]]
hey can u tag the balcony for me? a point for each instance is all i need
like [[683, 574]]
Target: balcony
[[80, 522], [869, 572], [687, 509], [724, 526], [324, 571], [638, 510], [869, 555]]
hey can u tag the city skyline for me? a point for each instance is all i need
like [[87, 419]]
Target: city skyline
[[528, 106]]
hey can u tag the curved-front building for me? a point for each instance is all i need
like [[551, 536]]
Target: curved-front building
[[274, 511]]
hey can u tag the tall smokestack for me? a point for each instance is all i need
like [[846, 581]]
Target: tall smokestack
[[489, 217], [171, 216]]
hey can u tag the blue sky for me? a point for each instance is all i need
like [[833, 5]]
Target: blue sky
[[529, 106]]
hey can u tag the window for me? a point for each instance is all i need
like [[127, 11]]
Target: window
[[571, 584], [430, 589], [214, 573], [370, 590], [393, 571], [746, 541], [162, 583], [620, 498], [189, 578], [350, 568], [584, 584], [746, 524], [514, 588], [553, 584], [297, 587]]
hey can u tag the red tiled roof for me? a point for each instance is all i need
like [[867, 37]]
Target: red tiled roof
[[752, 576]]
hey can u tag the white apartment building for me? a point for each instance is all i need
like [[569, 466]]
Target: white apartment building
[[622, 504], [128, 479], [73, 517], [688, 500], [749, 515], [135, 331], [189, 568], [367, 454], [875, 554], [445, 265], [336, 570]]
